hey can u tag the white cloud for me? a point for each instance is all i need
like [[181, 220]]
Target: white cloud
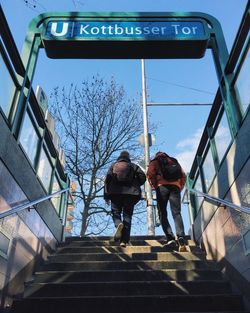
[[188, 147]]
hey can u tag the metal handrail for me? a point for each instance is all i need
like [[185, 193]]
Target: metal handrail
[[29, 204], [220, 201]]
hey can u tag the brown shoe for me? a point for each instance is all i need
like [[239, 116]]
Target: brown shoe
[[182, 246], [118, 232]]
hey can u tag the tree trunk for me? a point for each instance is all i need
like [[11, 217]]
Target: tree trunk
[[84, 221]]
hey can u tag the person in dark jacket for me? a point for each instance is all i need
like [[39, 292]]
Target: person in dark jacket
[[123, 196], [168, 190]]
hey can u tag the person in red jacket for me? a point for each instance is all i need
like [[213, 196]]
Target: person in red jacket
[[167, 177]]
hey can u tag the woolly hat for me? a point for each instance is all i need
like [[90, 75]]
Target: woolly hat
[[161, 154], [124, 154]]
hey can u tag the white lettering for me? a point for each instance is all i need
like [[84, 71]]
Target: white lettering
[[95, 30], [110, 27], [129, 31], [155, 30], [176, 29], [83, 29], [118, 30], [63, 32], [163, 30], [186, 30], [103, 28], [194, 29], [60, 29], [138, 31], [146, 30]]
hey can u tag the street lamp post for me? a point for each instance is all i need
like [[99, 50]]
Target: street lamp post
[[148, 190]]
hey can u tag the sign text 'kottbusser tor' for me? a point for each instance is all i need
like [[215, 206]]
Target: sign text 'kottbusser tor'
[[143, 30], [134, 35]]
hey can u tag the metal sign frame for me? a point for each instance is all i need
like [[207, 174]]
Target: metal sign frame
[[35, 40]]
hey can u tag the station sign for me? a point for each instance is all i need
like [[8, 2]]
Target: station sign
[[133, 38], [162, 30]]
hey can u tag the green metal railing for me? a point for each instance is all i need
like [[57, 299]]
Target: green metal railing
[[30, 204], [218, 201]]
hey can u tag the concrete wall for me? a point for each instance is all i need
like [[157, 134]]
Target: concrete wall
[[224, 232], [27, 237]]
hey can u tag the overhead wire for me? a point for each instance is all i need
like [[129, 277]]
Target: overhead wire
[[181, 86], [34, 5], [38, 6]]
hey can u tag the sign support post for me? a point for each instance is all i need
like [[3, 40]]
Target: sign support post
[[149, 198]]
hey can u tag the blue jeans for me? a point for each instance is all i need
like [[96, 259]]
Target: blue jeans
[[123, 206], [172, 194]]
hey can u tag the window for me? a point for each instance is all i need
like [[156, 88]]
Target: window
[[64, 205], [29, 138], [222, 137], [7, 88], [208, 169], [56, 200], [4, 244], [242, 84], [198, 186], [44, 169]]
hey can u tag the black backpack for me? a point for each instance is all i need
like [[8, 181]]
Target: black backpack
[[123, 172], [170, 170]]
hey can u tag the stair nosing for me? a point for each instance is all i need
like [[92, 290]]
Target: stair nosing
[[139, 296], [131, 270]]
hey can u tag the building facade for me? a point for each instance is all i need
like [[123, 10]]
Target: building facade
[[31, 167], [221, 169]]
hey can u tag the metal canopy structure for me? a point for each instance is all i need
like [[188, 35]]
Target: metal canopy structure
[[126, 35], [117, 35]]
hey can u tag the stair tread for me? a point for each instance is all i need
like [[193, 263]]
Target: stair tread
[[117, 249], [134, 282], [135, 253], [130, 275], [94, 273], [124, 261], [130, 270], [212, 296], [96, 238], [109, 242], [127, 261], [65, 257]]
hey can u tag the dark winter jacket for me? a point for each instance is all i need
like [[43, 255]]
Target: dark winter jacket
[[112, 188]]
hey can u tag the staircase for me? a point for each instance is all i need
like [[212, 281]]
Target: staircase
[[93, 275]]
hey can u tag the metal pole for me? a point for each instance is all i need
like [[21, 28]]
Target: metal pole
[[149, 199]]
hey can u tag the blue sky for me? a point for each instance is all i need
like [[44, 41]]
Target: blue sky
[[179, 128]]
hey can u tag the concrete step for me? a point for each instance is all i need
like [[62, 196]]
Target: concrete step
[[159, 256], [139, 304], [126, 288], [117, 249], [125, 265], [128, 275], [100, 238], [107, 242]]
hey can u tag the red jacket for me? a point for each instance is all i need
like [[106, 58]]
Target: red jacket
[[156, 179]]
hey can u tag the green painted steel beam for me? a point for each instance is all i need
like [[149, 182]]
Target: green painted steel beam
[[216, 42]]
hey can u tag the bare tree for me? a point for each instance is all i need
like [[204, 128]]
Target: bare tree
[[95, 122]]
